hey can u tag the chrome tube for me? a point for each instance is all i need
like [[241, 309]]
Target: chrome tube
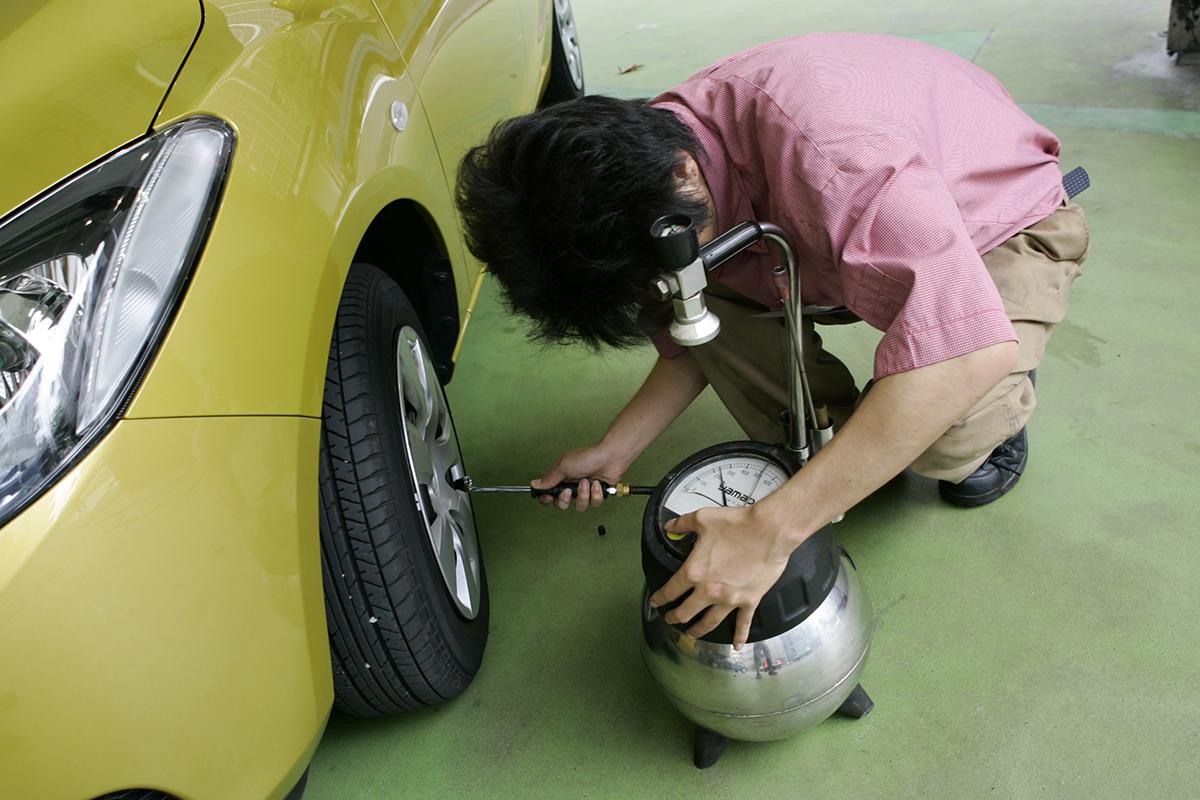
[[804, 413], [797, 442]]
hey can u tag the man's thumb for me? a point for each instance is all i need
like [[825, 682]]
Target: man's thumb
[[551, 478], [684, 524]]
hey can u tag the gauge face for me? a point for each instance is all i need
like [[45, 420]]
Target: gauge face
[[727, 481]]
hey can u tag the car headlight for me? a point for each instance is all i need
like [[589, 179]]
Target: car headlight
[[90, 276]]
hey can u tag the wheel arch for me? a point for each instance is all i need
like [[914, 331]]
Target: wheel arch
[[404, 241]]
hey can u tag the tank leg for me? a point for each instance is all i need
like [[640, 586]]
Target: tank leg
[[709, 746], [858, 704]]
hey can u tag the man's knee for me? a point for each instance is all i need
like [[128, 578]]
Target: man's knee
[[967, 443], [945, 462]]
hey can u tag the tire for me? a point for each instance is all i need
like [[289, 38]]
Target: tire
[[566, 62], [404, 629]]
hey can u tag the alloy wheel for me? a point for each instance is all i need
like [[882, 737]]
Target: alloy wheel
[[431, 447]]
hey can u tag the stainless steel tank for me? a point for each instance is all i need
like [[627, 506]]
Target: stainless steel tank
[[773, 688]]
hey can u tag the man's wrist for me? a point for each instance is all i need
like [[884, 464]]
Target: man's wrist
[[616, 453], [787, 530]]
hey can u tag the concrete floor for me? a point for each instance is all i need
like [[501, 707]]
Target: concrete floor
[[1046, 646]]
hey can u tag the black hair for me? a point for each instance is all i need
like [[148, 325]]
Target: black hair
[[558, 204]]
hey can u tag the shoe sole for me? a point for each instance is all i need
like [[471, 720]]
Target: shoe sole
[[974, 501]]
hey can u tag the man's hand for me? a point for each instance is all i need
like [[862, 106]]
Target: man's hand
[[581, 465], [739, 554], [672, 384]]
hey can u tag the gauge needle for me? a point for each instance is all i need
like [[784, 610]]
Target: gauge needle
[[758, 479], [721, 473], [706, 497]]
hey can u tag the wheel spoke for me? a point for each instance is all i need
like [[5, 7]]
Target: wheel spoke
[[422, 459], [418, 393], [444, 454], [458, 563], [441, 535], [462, 571], [466, 574], [459, 508]]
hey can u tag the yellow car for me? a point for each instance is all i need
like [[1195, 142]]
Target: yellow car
[[232, 284]]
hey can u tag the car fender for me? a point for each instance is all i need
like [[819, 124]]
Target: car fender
[[330, 129]]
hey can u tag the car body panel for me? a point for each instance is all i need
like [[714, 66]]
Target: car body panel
[[475, 63], [90, 80], [252, 334], [165, 602]]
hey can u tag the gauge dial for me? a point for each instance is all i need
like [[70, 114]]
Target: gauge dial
[[727, 481]]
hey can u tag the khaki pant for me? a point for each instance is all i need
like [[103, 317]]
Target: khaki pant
[[747, 363]]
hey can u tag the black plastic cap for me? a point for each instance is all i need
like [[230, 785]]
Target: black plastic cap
[[675, 241]]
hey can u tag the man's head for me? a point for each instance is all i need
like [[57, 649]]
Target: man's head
[[559, 203]]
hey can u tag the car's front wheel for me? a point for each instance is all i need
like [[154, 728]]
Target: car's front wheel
[[405, 590]]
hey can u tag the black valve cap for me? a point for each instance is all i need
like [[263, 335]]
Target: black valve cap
[[675, 241]]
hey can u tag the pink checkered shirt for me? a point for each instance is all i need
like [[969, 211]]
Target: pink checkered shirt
[[891, 164]]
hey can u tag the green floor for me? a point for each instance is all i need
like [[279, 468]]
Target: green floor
[[1046, 646]]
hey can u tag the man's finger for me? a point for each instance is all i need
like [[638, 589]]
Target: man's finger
[[597, 494], [688, 523], [741, 633], [564, 499], [584, 495], [716, 614], [688, 610], [670, 590]]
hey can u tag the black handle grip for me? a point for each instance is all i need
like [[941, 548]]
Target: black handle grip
[[557, 489], [729, 244]]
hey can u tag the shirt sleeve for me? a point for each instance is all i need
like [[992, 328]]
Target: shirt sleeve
[[906, 262]]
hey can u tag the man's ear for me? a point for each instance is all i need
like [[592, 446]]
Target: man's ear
[[689, 180], [687, 174]]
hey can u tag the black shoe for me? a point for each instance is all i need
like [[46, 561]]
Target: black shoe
[[994, 478]]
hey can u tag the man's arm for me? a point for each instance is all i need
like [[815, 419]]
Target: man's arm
[[741, 552], [670, 387]]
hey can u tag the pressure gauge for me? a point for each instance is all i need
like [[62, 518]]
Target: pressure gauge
[[735, 475], [730, 475]]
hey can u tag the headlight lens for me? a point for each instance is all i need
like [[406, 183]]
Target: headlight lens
[[90, 275]]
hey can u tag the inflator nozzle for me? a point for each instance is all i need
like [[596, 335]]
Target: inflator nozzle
[[683, 283]]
